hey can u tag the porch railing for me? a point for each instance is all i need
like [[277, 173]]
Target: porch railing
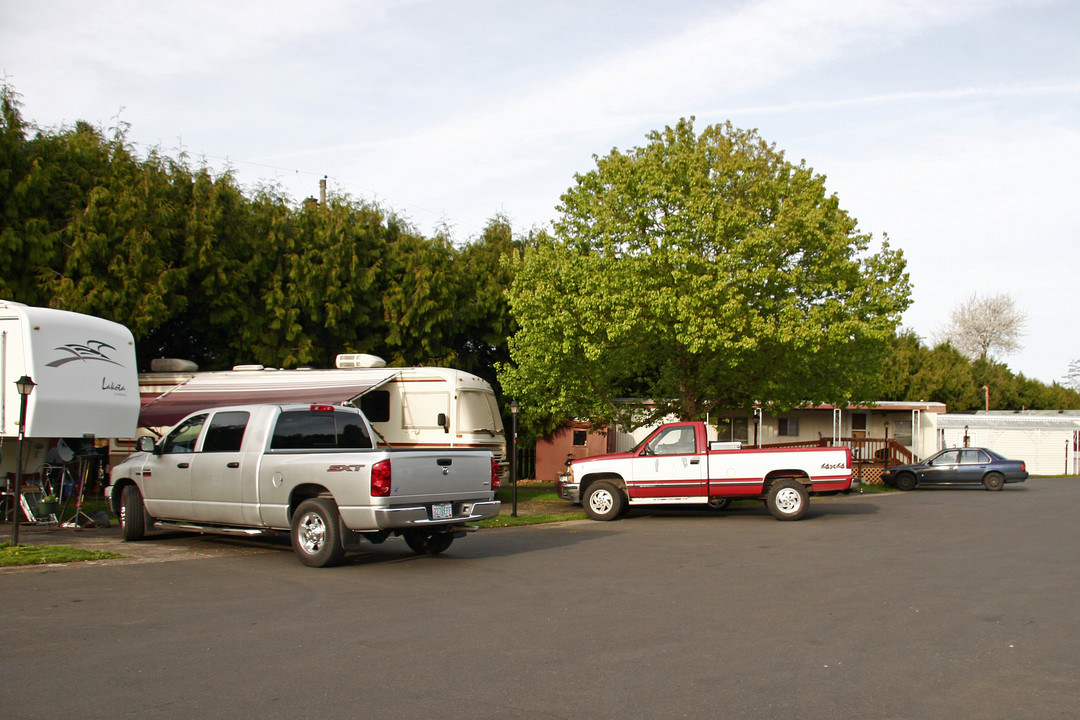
[[869, 456]]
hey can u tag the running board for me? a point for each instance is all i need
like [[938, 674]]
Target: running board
[[215, 529]]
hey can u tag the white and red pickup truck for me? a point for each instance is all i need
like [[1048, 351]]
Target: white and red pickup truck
[[677, 465]]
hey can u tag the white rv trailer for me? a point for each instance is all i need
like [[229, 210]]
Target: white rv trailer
[[86, 382], [409, 407]]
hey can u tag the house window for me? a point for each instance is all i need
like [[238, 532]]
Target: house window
[[789, 427], [734, 429], [579, 438]]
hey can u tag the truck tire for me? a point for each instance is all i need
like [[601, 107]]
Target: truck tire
[[718, 503], [994, 481], [316, 539], [426, 543], [132, 515], [604, 501], [787, 500]]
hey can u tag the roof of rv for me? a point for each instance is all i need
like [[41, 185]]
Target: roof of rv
[[167, 397]]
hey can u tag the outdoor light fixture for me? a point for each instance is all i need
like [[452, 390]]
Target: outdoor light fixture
[[25, 386], [514, 408], [886, 444]]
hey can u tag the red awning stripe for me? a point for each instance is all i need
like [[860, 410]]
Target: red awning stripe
[[163, 409]]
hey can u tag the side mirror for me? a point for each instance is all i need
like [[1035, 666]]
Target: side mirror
[[145, 444], [443, 422]]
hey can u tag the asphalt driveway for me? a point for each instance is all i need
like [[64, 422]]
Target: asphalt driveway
[[931, 604]]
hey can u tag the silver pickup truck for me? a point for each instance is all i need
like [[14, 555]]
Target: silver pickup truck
[[310, 470]]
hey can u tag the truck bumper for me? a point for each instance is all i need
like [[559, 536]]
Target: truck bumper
[[418, 516], [568, 490]]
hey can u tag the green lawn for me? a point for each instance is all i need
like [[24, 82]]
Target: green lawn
[[47, 554]]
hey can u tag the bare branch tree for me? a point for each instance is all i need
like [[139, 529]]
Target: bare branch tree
[[1072, 378], [985, 328]]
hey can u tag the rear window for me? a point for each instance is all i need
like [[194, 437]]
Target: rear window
[[320, 430]]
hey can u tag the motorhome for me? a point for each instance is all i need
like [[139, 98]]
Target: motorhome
[[409, 407]]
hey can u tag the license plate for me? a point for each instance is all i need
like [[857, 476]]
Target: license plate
[[442, 511]]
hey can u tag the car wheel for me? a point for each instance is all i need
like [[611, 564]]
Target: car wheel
[[905, 482], [425, 543], [787, 500], [316, 539], [604, 501], [994, 481], [719, 503], [132, 515]]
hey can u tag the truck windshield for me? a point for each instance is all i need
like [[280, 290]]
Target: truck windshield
[[478, 413]]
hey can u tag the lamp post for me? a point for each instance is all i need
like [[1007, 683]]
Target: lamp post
[[886, 444], [514, 407], [25, 386]]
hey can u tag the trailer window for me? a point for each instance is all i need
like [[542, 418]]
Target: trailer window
[[421, 409], [376, 405], [478, 412]]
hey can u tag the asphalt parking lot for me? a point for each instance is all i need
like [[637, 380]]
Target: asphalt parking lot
[[931, 604]]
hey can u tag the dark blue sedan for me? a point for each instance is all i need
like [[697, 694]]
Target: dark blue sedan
[[958, 466]]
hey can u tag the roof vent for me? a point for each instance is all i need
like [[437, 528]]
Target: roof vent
[[248, 368], [358, 360], [172, 365]]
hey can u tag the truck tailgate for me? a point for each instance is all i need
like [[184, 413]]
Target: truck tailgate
[[430, 475]]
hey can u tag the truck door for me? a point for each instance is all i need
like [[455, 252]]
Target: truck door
[[669, 466], [166, 482], [216, 479]]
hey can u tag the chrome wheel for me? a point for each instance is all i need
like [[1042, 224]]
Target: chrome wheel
[[311, 533]]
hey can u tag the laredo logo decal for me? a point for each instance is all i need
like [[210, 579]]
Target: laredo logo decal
[[92, 351]]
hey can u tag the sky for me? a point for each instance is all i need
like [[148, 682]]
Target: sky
[[952, 128]]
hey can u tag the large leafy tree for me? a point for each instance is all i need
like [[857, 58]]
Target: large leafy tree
[[705, 272]]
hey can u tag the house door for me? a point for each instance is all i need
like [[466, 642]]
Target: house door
[[860, 422]]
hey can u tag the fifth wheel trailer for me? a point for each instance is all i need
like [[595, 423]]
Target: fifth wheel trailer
[[86, 381], [408, 407]]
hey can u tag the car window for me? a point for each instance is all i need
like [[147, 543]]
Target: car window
[[674, 441], [946, 458], [226, 432], [972, 457], [181, 439]]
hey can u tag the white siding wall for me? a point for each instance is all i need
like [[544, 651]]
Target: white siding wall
[[1045, 451]]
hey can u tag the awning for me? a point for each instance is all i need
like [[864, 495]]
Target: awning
[[165, 407]]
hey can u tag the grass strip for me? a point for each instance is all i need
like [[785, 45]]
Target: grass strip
[[507, 520], [49, 554]]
